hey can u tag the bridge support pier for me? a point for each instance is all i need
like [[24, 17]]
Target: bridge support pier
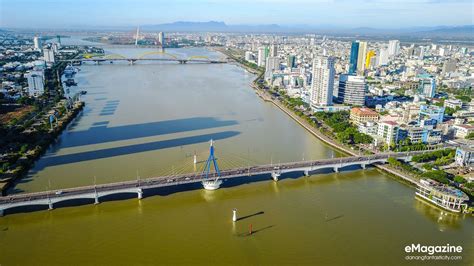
[[140, 193], [306, 172], [363, 166], [336, 169], [50, 206], [275, 176], [96, 199], [2, 212]]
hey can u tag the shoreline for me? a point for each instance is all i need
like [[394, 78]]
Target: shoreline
[[28, 161], [314, 131]]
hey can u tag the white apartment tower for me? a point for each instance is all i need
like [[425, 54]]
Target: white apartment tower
[[37, 43], [323, 81], [273, 50], [48, 55], [35, 83], [272, 64], [393, 48], [261, 57], [161, 38]]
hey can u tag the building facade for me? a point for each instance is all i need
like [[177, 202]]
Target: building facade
[[353, 58], [35, 83], [323, 81], [352, 90], [360, 116]]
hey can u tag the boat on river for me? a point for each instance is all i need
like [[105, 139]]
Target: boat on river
[[442, 195]]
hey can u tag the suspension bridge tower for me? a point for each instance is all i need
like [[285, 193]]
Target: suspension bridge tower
[[137, 36], [211, 183]]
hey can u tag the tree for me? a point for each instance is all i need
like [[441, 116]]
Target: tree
[[450, 111], [438, 175], [459, 179], [470, 136], [464, 98]]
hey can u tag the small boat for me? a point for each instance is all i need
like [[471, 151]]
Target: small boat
[[69, 71]]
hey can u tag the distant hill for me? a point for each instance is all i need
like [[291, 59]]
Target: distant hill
[[188, 26], [459, 31], [466, 31], [215, 26]]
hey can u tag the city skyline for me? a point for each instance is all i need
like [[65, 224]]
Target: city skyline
[[322, 13]]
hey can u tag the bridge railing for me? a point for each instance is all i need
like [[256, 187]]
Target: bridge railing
[[196, 176]]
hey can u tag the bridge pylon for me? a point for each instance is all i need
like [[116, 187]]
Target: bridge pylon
[[276, 173], [211, 184]]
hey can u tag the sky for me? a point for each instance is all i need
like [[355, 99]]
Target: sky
[[337, 13]]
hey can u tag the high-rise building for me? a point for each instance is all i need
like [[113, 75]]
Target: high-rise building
[[161, 38], [37, 43], [248, 56], [261, 57], [35, 83], [370, 54], [383, 57], [291, 61], [361, 57], [427, 87], [393, 48], [449, 66], [267, 52], [442, 51], [272, 64], [422, 53], [48, 55], [352, 90], [323, 81], [353, 58], [273, 50]]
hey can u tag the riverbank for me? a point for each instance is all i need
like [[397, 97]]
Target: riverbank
[[315, 132], [29, 157], [264, 95]]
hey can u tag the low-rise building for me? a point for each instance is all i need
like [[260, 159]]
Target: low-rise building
[[461, 131], [453, 103], [360, 116], [388, 130], [368, 128], [431, 113], [464, 155]]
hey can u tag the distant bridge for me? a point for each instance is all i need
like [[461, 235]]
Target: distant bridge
[[166, 57], [49, 198]]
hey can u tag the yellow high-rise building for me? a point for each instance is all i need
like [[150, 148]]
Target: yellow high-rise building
[[370, 54]]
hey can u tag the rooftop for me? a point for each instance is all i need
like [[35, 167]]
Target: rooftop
[[363, 111], [443, 189]]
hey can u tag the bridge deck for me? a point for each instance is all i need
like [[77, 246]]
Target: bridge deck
[[172, 180], [208, 61]]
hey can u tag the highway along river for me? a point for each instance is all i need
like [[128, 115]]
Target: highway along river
[[149, 119]]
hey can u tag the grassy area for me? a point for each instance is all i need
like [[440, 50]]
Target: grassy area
[[430, 169], [10, 114]]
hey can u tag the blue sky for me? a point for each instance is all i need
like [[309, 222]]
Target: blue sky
[[345, 13]]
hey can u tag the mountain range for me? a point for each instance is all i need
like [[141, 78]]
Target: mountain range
[[218, 26]]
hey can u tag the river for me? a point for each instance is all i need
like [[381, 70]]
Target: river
[[149, 119]]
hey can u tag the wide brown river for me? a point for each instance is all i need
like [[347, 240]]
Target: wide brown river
[[149, 119]]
